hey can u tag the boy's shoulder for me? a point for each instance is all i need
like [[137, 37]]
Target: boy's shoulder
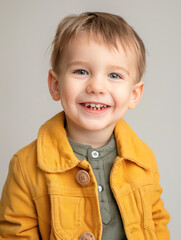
[[30, 150], [132, 147], [27, 149], [27, 157]]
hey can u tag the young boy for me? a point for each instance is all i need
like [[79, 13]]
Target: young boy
[[88, 175]]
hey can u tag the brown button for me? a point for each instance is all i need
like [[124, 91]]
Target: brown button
[[87, 236], [83, 177]]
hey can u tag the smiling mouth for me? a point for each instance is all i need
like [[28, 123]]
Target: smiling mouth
[[94, 106]]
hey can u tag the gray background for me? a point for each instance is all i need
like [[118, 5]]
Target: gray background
[[27, 29]]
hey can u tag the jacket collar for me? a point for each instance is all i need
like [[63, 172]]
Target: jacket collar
[[54, 152]]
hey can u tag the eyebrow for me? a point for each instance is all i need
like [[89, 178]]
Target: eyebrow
[[110, 66]]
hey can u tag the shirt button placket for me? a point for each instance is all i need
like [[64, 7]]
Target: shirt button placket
[[95, 154]]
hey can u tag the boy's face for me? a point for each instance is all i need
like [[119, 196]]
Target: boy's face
[[95, 84]]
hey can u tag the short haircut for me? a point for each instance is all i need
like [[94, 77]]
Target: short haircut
[[109, 26]]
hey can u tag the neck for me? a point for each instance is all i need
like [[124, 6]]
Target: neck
[[95, 139]]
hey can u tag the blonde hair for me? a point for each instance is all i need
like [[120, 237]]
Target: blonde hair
[[110, 26]]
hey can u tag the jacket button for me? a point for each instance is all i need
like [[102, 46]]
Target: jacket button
[[87, 236], [83, 177]]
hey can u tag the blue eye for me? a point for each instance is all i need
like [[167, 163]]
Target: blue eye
[[80, 71], [84, 72], [114, 74]]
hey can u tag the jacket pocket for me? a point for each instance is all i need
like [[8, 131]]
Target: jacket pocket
[[66, 215], [147, 193]]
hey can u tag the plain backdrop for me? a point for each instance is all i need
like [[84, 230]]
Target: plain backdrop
[[27, 28]]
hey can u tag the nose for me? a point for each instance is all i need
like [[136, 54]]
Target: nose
[[96, 86]]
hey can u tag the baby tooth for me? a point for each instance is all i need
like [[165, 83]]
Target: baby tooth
[[98, 105], [92, 105]]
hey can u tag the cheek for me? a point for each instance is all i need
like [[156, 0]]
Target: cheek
[[121, 97], [68, 92]]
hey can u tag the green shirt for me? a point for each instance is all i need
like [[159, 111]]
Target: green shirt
[[101, 160]]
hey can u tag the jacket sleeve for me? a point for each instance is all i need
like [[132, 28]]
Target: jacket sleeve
[[18, 218], [160, 215]]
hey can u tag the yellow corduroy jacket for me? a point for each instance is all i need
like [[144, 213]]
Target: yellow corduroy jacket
[[41, 198]]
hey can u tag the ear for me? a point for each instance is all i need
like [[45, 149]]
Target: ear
[[136, 95], [53, 85]]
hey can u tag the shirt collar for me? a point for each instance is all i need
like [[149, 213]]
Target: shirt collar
[[55, 154], [84, 149]]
